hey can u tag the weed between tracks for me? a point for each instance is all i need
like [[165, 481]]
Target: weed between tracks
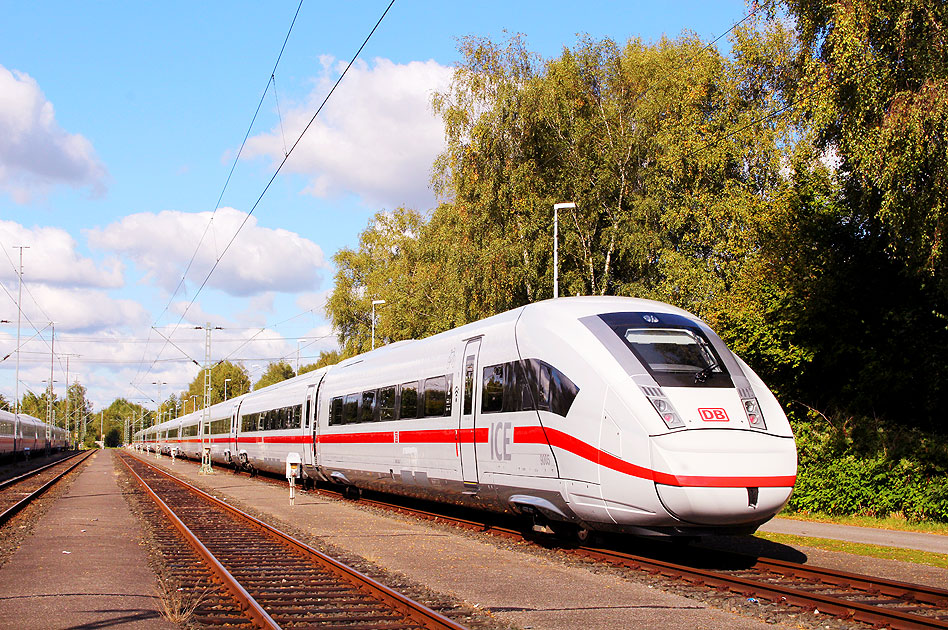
[[177, 603]]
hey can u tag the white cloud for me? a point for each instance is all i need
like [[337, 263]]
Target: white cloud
[[376, 138], [52, 259], [257, 311], [35, 152], [260, 259], [315, 302], [76, 309]]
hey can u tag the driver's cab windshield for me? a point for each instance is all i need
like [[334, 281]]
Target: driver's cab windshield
[[671, 347]]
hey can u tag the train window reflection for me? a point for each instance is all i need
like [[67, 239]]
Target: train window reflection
[[435, 396], [387, 403], [350, 409], [368, 407], [525, 386], [335, 410], [409, 402], [672, 350], [492, 396]]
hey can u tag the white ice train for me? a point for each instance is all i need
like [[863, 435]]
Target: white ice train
[[608, 413], [21, 435]]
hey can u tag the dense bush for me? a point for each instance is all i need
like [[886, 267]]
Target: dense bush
[[861, 466]]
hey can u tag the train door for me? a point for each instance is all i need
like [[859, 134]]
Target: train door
[[308, 428], [468, 416], [234, 427]]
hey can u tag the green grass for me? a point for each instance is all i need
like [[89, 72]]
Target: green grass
[[890, 522], [872, 551]]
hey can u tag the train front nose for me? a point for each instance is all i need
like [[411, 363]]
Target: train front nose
[[720, 476]]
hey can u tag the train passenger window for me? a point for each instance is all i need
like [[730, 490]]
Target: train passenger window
[[523, 391], [562, 392], [350, 409], [409, 401], [543, 385], [511, 388], [367, 412], [386, 403], [297, 419], [449, 380], [335, 411], [435, 396], [468, 384], [492, 394]]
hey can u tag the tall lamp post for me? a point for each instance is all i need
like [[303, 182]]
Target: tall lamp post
[[374, 302], [556, 261]]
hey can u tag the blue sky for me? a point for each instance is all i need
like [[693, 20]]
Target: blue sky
[[119, 122]]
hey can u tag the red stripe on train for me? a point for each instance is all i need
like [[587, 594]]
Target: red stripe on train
[[566, 442], [424, 436]]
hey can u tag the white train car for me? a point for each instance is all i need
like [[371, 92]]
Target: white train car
[[604, 413], [590, 413], [21, 434]]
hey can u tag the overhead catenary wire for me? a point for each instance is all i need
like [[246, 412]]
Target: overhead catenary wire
[[230, 175], [282, 163], [49, 319], [286, 158]]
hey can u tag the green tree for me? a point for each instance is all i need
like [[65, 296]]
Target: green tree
[[702, 180], [113, 438], [36, 406], [276, 371], [75, 408], [873, 79], [5, 404], [122, 413], [374, 271], [326, 358], [238, 383]]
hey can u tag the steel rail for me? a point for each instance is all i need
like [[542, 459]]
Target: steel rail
[[7, 514], [837, 606], [413, 610], [250, 606], [840, 607], [884, 586], [14, 480]]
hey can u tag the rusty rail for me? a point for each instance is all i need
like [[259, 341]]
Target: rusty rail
[[350, 607]]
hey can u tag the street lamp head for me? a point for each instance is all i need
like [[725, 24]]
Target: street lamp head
[[374, 302]]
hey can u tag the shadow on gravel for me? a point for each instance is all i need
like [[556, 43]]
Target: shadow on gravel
[[710, 552]]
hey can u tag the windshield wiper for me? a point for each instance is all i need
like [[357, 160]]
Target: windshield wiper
[[703, 375]]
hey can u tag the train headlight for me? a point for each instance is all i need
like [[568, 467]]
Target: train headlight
[[754, 417], [664, 408]]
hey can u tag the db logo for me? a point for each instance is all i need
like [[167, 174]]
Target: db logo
[[713, 414]]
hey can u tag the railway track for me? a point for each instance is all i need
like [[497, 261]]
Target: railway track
[[18, 492], [270, 580], [871, 600]]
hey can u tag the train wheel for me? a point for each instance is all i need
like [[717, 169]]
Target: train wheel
[[583, 534], [571, 532], [352, 492]]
